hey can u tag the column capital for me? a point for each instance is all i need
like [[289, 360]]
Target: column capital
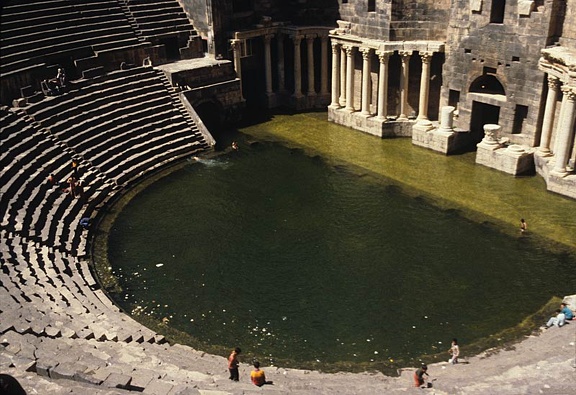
[[296, 38], [405, 54], [426, 56], [349, 49], [311, 36], [268, 37], [383, 56], [335, 47], [569, 92], [366, 52], [553, 82], [235, 43]]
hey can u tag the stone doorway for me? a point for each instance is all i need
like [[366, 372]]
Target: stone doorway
[[482, 113]]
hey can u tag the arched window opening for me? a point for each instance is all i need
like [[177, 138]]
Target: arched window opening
[[487, 84], [497, 11]]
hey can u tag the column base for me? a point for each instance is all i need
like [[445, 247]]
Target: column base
[[543, 152], [559, 173]]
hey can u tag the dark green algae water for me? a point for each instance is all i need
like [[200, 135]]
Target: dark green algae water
[[296, 251]]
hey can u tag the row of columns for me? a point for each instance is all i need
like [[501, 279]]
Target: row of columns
[[564, 141], [296, 40], [343, 81]]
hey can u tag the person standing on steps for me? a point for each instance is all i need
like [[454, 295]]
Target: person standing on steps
[[454, 351], [233, 364]]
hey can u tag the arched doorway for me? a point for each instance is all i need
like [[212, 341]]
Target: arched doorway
[[212, 115], [486, 92]]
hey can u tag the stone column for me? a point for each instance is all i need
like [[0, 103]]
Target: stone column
[[268, 63], [566, 133], [281, 81], [544, 148], [573, 158], [335, 75], [236, 48], [490, 140], [405, 55], [310, 48], [383, 57], [563, 106], [324, 66], [366, 55], [424, 88], [349, 77], [297, 67], [343, 76], [447, 120]]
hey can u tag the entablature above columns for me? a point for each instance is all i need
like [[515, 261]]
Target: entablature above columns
[[559, 62], [292, 31], [429, 47]]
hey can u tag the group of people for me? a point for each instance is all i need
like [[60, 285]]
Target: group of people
[[421, 381], [55, 86], [73, 185], [257, 376], [563, 314]]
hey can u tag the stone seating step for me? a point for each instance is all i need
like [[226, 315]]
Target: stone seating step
[[167, 30], [74, 27], [99, 108], [12, 14], [153, 8], [123, 127], [84, 87], [53, 22], [89, 99], [145, 17], [118, 122], [133, 139]]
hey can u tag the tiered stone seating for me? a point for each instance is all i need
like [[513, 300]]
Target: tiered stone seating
[[50, 301], [158, 17], [58, 28], [109, 123]]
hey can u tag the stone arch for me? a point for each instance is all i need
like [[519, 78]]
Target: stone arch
[[487, 84], [213, 115]]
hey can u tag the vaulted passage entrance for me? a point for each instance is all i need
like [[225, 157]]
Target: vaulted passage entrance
[[482, 114]]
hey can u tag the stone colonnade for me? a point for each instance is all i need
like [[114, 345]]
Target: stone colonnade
[[343, 90], [299, 37], [564, 142]]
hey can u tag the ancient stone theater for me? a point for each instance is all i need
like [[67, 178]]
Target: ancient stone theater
[[98, 95]]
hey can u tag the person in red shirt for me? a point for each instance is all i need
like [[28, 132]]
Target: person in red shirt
[[233, 364]]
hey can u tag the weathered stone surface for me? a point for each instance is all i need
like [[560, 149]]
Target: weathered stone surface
[[117, 380], [158, 387], [67, 370], [44, 365], [142, 377], [183, 389]]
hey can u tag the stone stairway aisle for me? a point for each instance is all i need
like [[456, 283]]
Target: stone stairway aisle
[[177, 103]]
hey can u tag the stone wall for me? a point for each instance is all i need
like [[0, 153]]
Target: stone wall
[[419, 19], [565, 13], [509, 51], [372, 25]]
